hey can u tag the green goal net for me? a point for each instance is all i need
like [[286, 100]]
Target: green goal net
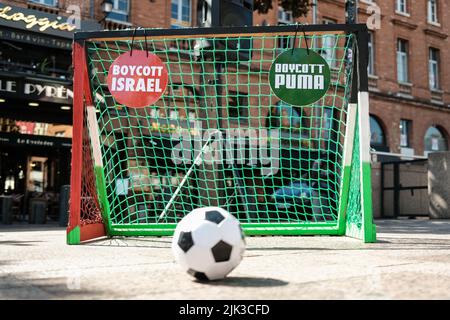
[[219, 136]]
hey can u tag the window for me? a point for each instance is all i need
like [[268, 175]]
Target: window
[[371, 65], [405, 128], [435, 140], [51, 3], [284, 17], [329, 46], [401, 6], [402, 61], [377, 137], [433, 68], [290, 120], [432, 11], [238, 105], [181, 13], [119, 11], [182, 98], [285, 116]]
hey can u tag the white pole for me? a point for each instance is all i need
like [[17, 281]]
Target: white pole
[[197, 161], [314, 16]]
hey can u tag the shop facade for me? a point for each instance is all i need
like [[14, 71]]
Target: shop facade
[[35, 108]]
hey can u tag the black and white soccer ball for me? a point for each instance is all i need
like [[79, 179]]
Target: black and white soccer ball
[[208, 243]]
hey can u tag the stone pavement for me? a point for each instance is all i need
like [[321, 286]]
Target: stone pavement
[[411, 260]]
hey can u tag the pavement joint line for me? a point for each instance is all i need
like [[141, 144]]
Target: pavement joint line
[[400, 264]]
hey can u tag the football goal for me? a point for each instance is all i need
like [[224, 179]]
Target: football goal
[[270, 123]]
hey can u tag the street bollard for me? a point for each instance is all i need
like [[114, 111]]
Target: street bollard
[[6, 209], [38, 214]]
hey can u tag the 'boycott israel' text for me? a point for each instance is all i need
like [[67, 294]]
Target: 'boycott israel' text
[[124, 78]]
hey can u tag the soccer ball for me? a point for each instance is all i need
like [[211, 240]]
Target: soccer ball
[[208, 243]]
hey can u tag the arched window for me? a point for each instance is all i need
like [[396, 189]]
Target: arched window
[[435, 140], [377, 136]]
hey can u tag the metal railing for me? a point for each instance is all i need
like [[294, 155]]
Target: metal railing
[[398, 187]]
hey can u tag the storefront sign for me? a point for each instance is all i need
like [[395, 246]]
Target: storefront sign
[[35, 39], [137, 79], [42, 22], [299, 76], [32, 89], [31, 20], [32, 140]]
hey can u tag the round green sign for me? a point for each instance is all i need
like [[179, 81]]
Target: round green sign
[[299, 77]]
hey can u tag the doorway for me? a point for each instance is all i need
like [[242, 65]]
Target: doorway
[[32, 176], [13, 167], [37, 174]]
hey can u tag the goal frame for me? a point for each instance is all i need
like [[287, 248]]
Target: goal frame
[[358, 113]]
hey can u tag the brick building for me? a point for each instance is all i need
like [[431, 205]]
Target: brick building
[[409, 79], [409, 83], [36, 103]]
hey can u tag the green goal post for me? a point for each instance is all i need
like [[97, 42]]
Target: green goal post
[[219, 136]]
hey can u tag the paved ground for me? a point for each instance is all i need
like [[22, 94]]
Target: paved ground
[[410, 261]]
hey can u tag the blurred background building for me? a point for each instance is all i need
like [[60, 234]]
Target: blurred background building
[[409, 79]]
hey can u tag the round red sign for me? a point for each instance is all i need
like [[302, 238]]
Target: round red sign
[[137, 80]]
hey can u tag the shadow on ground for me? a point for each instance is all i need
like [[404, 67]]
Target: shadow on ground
[[26, 227], [12, 287], [415, 226], [19, 243], [132, 242], [246, 282]]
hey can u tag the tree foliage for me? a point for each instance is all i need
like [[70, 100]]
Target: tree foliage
[[297, 7]]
